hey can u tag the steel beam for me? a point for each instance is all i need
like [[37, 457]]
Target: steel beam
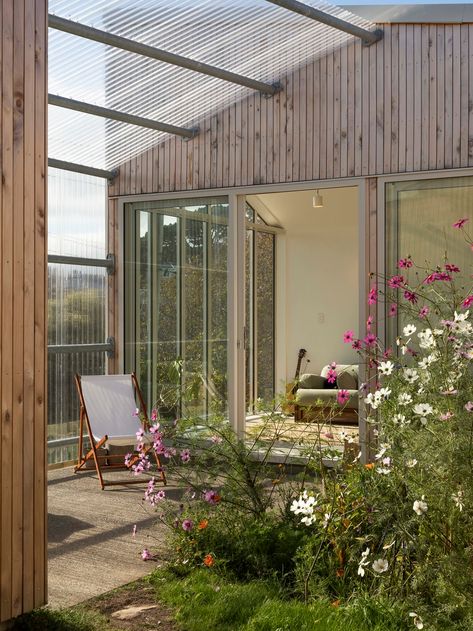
[[88, 32], [62, 259], [367, 37], [105, 112], [82, 168]]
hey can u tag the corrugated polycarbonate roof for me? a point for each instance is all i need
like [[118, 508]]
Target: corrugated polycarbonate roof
[[250, 37]]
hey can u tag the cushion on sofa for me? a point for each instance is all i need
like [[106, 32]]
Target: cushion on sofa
[[310, 396], [311, 381], [347, 381]]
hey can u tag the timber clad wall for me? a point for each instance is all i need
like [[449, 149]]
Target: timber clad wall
[[23, 293], [401, 105]]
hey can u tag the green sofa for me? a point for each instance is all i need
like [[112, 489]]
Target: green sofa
[[312, 395]]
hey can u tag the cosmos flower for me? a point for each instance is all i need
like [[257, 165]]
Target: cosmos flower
[[460, 223], [380, 565], [420, 507]]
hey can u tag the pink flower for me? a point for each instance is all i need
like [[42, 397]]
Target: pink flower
[[469, 406], [136, 412], [410, 296], [343, 397], [356, 345], [332, 375], [396, 282], [404, 263], [212, 497], [372, 296], [387, 353], [185, 455], [460, 223], [348, 337], [187, 525], [216, 440], [447, 416], [369, 322], [451, 268], [392, 310], [128, 458], [139, 434], [467, 302], [154, 415], [431, 278], [424, 312], [146, 555], [370, 339]]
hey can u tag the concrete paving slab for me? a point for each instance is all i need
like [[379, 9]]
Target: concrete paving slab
[[91, 547]]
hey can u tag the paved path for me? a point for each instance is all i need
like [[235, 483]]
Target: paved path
[[91, 547]]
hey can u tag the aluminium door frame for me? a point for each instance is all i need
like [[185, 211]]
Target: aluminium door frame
[[236, 271]]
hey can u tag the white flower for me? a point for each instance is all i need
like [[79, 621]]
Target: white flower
[[411, 375], [375, 399], [382, 451], [386, 368], [420, 507], [458, 499], [461, 317], [411, 463], [380, 566], [305, 506], [417, 620], [404, 398], [426, 339], [426, 361], [409, 330], [363, 562], [423, 410], [400, 418], [383, 470]]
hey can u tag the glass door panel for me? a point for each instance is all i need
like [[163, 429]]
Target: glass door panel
[[176, 303], [260, 247]]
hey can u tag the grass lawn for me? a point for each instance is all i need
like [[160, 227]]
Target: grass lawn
[[204, 601]]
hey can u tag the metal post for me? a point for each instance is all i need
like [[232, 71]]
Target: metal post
[[105, 112], [117, 41], [82, 168], [368, 37]]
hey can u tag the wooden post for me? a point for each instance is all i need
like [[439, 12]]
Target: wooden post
[[23, 263]]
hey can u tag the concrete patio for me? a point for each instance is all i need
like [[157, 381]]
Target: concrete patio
[[91, 547]]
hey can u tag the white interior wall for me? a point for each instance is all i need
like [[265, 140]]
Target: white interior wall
[[318, 282]]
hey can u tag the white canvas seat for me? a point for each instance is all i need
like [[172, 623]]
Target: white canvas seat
[[112, 408]]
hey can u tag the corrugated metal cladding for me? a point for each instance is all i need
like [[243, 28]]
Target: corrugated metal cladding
[[249, 37]]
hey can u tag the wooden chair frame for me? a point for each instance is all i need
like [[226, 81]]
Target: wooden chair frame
[[104, 461]]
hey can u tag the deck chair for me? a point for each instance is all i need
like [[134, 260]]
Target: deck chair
[[108, 410]]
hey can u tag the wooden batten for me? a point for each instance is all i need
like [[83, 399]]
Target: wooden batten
[[400, 105], [23, 261]]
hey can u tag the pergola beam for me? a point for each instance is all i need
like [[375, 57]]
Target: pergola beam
[[88, 32], [105, 112], [367, 37], [82, 168]]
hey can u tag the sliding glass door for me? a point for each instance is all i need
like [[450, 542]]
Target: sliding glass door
[[176, 303], [260, 248]]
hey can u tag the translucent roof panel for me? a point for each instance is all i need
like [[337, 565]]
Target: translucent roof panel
[[250, 37]]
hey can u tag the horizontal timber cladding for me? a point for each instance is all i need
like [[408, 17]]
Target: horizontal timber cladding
[[23, 28], [400, 105]]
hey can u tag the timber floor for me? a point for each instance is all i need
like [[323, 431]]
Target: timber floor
[[91, 547], [290, 432]]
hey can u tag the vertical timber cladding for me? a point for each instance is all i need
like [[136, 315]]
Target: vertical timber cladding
[[23, 260], [400, 105]]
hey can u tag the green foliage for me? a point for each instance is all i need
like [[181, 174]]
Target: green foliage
[[76, 619], [205, 600]]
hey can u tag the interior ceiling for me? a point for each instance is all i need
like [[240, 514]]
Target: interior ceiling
[[251, 37]]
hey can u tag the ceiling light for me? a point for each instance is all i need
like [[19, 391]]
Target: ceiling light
[[317, 200]]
